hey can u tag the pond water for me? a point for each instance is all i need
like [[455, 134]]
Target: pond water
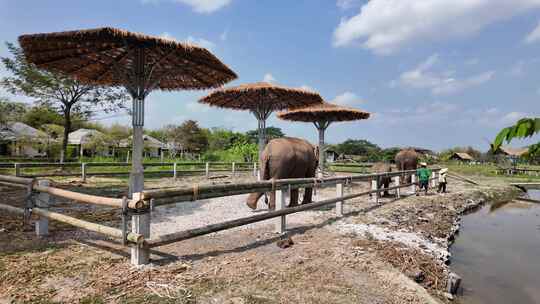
[[497, 253]]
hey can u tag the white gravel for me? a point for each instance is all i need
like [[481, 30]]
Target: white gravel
[[188, 215]]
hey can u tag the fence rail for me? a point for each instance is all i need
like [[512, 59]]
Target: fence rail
[[175, 168], [140, 206]]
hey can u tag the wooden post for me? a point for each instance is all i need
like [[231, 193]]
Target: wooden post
[[413, 181], [233, 168], [339, 205], [396, 183], [175, 174], [83, 172], [374, 196], [42, 224], [17, 169], [281, 222], [254, 169], [140, 224], [207, 169]]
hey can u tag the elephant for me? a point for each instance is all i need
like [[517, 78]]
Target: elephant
[[406, 159], [383, 182], [286, 157]]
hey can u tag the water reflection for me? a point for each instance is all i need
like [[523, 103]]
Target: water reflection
[[497, 253]]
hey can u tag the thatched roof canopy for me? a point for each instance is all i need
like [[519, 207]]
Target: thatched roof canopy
[[324, 112], [106, 56], [516, 152], [261, 94]]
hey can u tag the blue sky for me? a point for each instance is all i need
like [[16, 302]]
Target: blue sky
[[433, 73]]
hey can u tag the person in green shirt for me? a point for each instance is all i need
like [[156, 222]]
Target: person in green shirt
[[423, 174]]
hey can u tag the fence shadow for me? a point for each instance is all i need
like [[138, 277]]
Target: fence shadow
[[298, 230]]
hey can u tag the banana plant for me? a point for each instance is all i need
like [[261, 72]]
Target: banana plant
[[525, 127]]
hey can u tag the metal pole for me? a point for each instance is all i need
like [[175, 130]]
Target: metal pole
[[83, 172], [175, 174], [42, 225], [281, 222], [207, 169], [140, 254], [321, 148], [339, 205], [396, 183], [233, 169]]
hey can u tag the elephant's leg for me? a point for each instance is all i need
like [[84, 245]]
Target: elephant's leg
[[294, 198], [386, 185], [272, 204], [308, 193]]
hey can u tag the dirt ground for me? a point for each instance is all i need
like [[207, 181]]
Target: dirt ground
[[393, 252]]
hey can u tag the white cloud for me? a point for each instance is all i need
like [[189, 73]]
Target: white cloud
[[440, 83], [269, 78], [201, 42], [347, 99], [385, 26], [199, 6], [207, 44], [512, 117], [533, 36]]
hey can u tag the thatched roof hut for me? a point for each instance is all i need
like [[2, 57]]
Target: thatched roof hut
[[82, 136], [261, 98], [322, 115], [100, 56], [461, 156], [137, 62], [514, 152]]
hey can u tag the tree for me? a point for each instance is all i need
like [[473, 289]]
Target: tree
[[223, 139], [192, 137], [524, 128], [271, 133], [11, 111], [358, 147], [41, 115], [59, 92]]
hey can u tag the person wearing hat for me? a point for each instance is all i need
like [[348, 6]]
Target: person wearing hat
[[423, 174], [442, 180]]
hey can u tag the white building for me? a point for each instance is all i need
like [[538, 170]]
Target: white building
[[19, 139]]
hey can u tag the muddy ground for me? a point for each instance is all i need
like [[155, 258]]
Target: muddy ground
[[393, 252]]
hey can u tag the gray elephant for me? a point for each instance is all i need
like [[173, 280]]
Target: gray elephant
[[383, 182], [406, 159], [286, 157]]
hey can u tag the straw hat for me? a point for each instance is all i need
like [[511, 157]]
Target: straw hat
[[423, 164], [443, 170]]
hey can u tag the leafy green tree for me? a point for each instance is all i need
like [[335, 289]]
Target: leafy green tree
[[223, 139], [59, 92], [11, 111], [41, 115], [271, 133], [358, 147]]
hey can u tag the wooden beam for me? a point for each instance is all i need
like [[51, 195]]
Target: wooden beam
[[101, 229]]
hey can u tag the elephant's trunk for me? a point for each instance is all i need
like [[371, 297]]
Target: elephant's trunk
[[252, 200]]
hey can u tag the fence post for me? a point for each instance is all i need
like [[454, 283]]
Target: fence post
[[413, 182], [233, 168], [175, 174], [254, 169], [374, 196], [397, 183], [83, 172], [140, 223], [339, 205], [42, 225], [433, 181], [17, 169], [281, 222], [207, 170]]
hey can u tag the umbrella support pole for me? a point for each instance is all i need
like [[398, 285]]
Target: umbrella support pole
[[321, 127]]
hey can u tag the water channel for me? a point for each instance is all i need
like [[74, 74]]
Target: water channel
[[497, 254]]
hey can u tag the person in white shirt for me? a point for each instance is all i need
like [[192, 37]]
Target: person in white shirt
[[442, 180]]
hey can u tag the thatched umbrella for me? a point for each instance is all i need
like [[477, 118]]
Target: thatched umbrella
[[322, 116], [140, 63], [261, 99]]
